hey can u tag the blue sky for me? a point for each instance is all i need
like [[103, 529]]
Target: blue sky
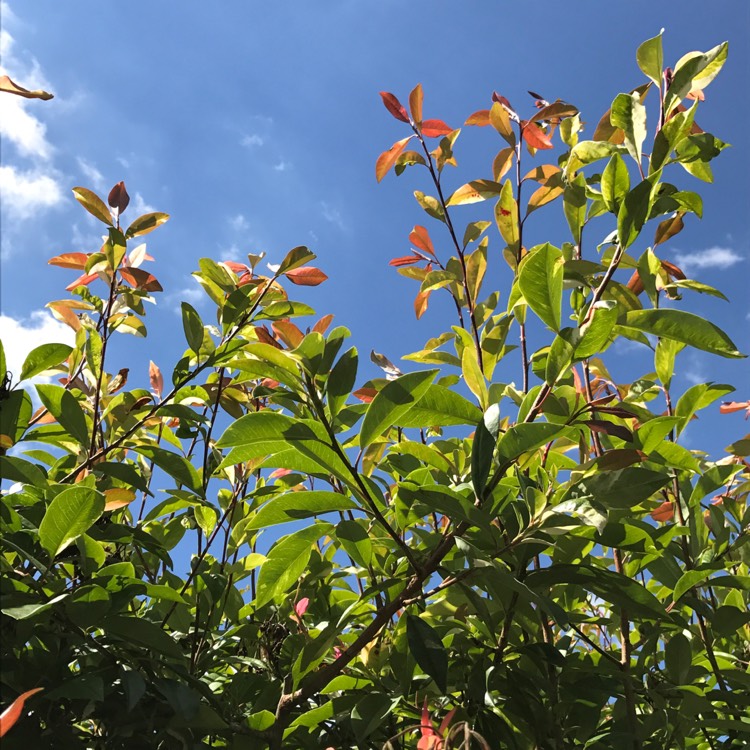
[[256, 126]]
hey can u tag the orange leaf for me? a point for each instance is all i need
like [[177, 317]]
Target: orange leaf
[[435, 128], [141, 279], [65, 315], [535, 136], [420, 303], [674, 271], [9, 87], [156, 379], [635, 284], [307, 276], [117, 497], [11, 714], [322, 325], [665, 512], [288, 333], [77, 261], [365, 394], [415, 104], [83, 280], [388, 158], [278, 473], [238, 268], [480, 118], [394, 106], [728, 407], [420, 238], [405, 260]]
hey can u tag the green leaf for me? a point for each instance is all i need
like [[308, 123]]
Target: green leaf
[[650, 57], [93, 204], [371, 712], [678, 658], [393, 401], [146, 223], [615, 183], [94, 348], [682, 326], [428, 650], [341, 380], [698, 397], [177, 466], [473, 377], [482, 450], [14, 416], [623, 488], [17, 469], [141, 632], [295, 258], [689, 579], [634, 212], [526, 437], [193, 326], [87, 605], [431, 205], [296, 506], [72, 513], [42, 358], [596, 335], [355, 540], [694, 72], [541, 282], [574, 206], [440, 406], [506, 216], [64, 407], [629, 114], [286, 562]]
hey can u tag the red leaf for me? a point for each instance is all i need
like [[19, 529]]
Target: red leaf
[[156, 379], [238, 268], [118, 197], [365, 394], [420, 238], [11, 714], [635, 284], [322, 325], [405, 260], [76, 261], [479, 118], [388, 158], [665, 512], [301, 606], [141, 279], [307, 276], [83, 280], [435, 128], [265, 337], [535, 136], [674, 271], [278, 473], [394, 106]]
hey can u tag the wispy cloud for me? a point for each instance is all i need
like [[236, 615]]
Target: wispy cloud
[[92, 174], [282, 166], [332, 215], [251, 140], [239, 223], [713, 258], [21, 335], [138, 206]]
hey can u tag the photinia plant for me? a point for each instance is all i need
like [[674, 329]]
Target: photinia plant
[[498, 537]]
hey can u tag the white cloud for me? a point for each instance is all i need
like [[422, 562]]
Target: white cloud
[[239, 223], [20, 336], [24, 193], [282, 166], [252, 139], [713, 258], [332, 215], [92, 174], [138, 207]]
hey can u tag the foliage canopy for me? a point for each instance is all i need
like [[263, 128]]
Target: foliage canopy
[[441, 558]]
